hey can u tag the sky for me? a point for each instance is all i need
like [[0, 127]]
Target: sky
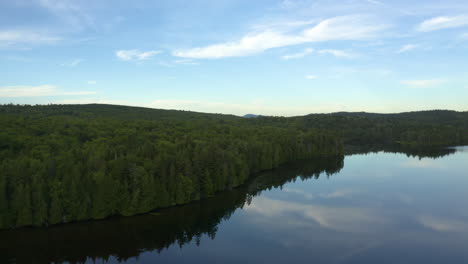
[[269, 57]]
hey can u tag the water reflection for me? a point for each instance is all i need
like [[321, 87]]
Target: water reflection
[[409, 151], [400, 207], [416, 214], [124, 238], [348, 219]]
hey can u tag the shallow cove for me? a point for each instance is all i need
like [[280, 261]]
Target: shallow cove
[[370, 208]]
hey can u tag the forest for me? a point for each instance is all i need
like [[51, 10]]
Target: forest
[[66, 163], [156, 231], [412, 129]]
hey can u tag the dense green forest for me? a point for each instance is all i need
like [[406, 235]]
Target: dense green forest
[[413, 129], [68, 163], [64, 163], [98, 240]]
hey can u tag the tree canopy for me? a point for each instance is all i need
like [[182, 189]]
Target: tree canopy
[[65, 163]]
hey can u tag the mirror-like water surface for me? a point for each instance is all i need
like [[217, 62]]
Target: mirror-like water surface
[[366, 208]]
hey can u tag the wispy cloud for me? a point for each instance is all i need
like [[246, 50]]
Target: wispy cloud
[[407, 48], [375, 2], [186, 62], [340, 193], [298, 55], [91, 82], [34, 91], [443, 22], [338, 28], [72, 63], [14, 37], [69, 11], [287, 4], [311, 77], [338, 53], [128, 55], [421, 83], [334, 52]]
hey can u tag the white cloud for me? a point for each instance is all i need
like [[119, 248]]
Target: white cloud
[[338, 28], [407, 48], [464, 35], [248, 45], [128, 55], [13, 37], [298, 55], [443, 22], [34, 91], [338, 53], [73, 63], [311, 77], [92, 82], [421, 83], [282, 25]]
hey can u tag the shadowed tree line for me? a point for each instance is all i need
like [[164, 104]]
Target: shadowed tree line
[[127, 237]]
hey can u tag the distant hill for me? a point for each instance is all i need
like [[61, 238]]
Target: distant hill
[[111, 111], [441, 117], [250, 116]]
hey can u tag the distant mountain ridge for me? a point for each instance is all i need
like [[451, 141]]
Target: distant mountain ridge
[[250, 116]]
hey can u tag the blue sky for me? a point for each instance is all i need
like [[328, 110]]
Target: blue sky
[[284, 57]]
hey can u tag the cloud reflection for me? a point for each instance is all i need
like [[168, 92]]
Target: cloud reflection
[[422, 163], [442, 224], [307, 195], [348, 219]]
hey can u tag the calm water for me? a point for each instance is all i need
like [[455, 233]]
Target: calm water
[[365, 208]]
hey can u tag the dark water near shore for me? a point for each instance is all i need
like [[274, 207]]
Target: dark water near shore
[[363, 208]]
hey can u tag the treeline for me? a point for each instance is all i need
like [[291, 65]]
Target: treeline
[[68, 163], [128, 237], [64, 163], [414, 129], [419, 152]]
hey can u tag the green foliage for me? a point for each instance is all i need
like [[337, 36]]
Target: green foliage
[[63, 163], [68, 163], [123, 239], [415, 129]]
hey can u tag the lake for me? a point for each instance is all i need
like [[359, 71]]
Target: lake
[[380, 207]]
